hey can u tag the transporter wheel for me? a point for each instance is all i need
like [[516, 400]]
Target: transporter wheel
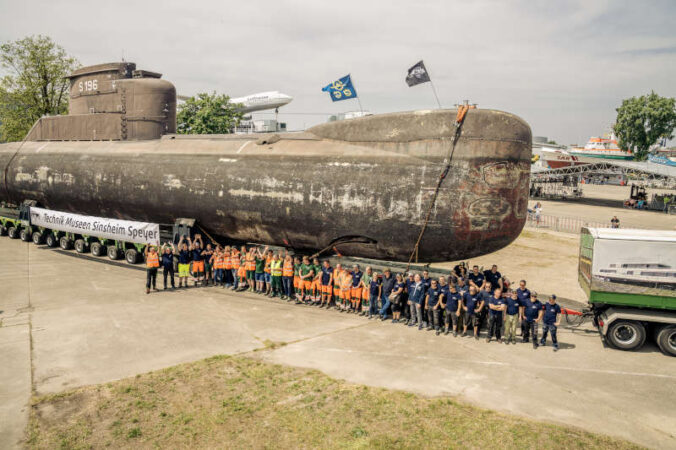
[[113, 253], [37, 238], [626, 335], [25, 235], [80, 246], [65, 243], [3, 230], [50, 240], [666, 340], [13, 233], [131, 256], [97, 249]]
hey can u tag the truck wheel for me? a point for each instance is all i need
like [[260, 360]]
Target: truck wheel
[[626, 335], [80, 246], [13, 233], [37, 238], [97, 249], [50, 240], [113, 253], [3, 230], [666, 340], [65, 243], [131, 256], [25, 235]]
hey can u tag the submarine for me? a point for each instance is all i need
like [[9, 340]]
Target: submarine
[[364, 186]]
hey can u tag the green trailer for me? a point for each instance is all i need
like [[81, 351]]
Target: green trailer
[[15, 222], [629, 277]]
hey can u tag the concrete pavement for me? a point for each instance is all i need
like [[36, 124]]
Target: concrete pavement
[[92, 323]]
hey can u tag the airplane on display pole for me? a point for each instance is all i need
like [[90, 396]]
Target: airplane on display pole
[[257, 102]]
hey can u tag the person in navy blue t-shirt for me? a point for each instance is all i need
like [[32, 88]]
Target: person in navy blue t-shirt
[[523, 294], [375, 288], [472, 304], [476, 278], [452, 302], [551, 321], [496, 308], [530, 317], [433, 306], [512, 314]]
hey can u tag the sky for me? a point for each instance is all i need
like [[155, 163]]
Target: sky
[[563, 66]]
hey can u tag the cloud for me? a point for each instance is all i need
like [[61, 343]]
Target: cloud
[[563, 66]]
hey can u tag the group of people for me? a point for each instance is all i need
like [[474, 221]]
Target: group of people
[[462, 302]]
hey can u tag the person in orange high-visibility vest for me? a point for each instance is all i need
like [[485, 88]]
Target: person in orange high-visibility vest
[[346, 290], [337, 282], [217, 261], [152, 264], [234, 259], [287, 278], [227, 268], [242, 272]]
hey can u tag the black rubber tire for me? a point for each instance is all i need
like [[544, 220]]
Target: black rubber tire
[[51, 241], [3, 230], [112, 252], [131, 256], [81, 246], [97, 249], [37, 238], [626, 335], [13, 233], [25, 235], [666, 340], [65, 243]]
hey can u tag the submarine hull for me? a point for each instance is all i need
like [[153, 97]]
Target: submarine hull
[[362, 185]]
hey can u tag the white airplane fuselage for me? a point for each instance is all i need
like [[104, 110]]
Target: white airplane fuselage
[[262, 101]]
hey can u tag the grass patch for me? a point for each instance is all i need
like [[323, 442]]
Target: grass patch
[[237, 402]]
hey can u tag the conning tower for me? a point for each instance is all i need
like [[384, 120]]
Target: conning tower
[[112, 101]]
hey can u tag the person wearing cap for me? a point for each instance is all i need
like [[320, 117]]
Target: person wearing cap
[[496, 308], [460, 270], [451, 301], [530, 317], [551, 320], [512, 314]]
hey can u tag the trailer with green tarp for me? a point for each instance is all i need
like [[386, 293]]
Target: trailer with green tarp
[[629, 277]]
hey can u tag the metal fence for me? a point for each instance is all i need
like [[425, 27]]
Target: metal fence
[[563, 224]]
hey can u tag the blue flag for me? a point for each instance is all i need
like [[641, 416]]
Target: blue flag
[[341, 89]]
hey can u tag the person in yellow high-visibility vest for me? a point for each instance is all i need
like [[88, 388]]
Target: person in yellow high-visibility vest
[[276, 275], [152, 264]]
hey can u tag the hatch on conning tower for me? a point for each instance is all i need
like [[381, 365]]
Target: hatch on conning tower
[[112, 101]]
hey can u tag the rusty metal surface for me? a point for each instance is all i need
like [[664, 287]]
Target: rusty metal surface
[[370, 177], [113, 101]]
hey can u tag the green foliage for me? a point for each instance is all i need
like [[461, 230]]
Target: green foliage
[[642, 121], [34, 84], [207, 114]]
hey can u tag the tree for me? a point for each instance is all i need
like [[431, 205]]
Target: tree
[[35, 84], [642, 121], [207, 114]]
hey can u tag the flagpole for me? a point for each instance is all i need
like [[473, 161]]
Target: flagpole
[[435, 92], [360, 108]]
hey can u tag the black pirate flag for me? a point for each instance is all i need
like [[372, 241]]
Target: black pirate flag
[[417, 74]]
